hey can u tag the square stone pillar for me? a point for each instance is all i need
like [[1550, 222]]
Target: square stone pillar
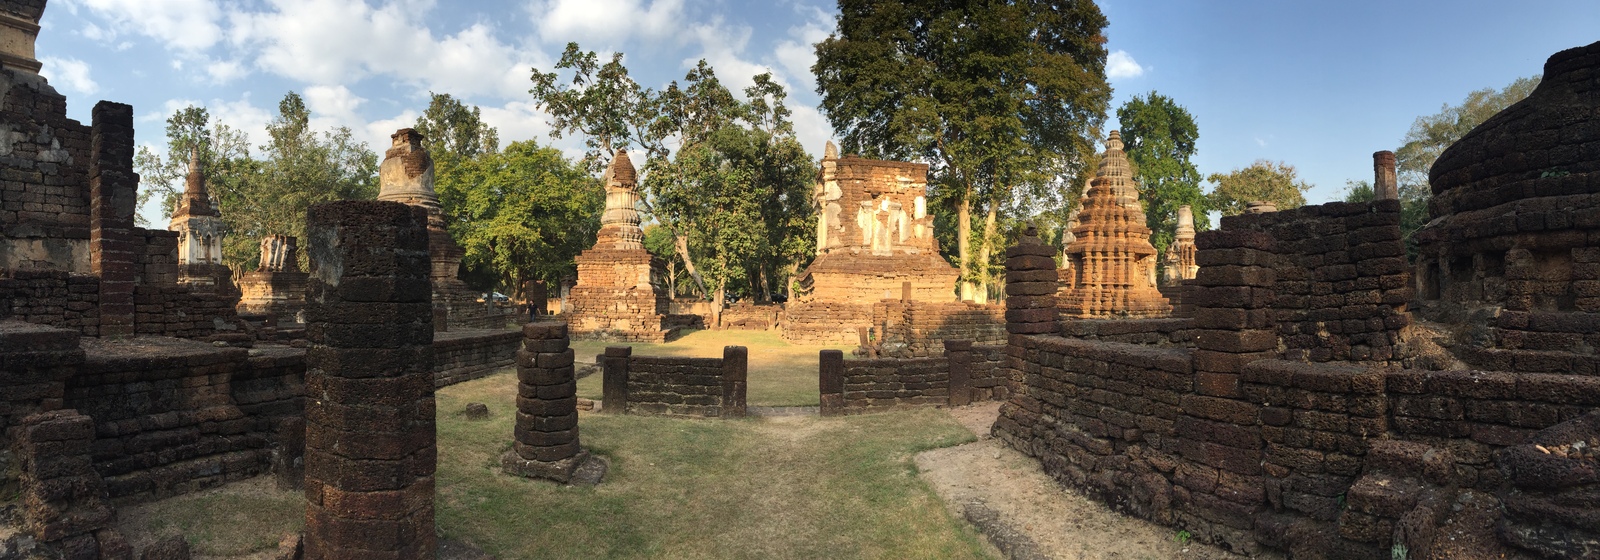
[[370, 440]]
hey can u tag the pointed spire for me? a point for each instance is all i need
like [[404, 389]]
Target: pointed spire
[[830, 151], [196, 200]]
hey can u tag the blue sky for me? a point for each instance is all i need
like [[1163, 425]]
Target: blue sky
[[1318, 85]]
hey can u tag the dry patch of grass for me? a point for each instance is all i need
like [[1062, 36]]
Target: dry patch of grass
[[241, 519], [781, 374]]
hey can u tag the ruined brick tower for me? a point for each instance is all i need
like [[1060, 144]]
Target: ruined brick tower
[[200, 230], [277, 287], [406, 175], [617, 295], [874, 238], [1112, 260]]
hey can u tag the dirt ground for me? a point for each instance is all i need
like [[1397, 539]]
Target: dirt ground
[[1026, 514]]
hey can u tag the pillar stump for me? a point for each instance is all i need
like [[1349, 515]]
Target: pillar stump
[[370, 441], [546, 433]]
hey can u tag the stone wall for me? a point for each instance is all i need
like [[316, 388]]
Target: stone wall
[[748, 316], [44, 188], [52, 297], [675, 386], [825, 323], [466, 355], [917, 329], [1156, 332], [962, 374]]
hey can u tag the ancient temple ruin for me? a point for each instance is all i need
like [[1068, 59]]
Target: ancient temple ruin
[[406, 175], [200, 231], [1179, 263], [618, 295], [277, 287], [1112, 261]]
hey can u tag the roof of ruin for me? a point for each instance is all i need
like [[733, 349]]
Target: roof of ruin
[[1553, 133]]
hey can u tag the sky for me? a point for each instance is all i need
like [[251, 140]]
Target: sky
[[1316, 85]]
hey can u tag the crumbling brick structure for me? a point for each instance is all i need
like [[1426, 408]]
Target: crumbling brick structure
[[874, 243], [619, 295], [1300, 418], [674, 386], [406, 175], [370, 440], [200, 231], [277, 288], [63, 499], [545, 441], [962, 375], [1180, 263], [1113, 264]]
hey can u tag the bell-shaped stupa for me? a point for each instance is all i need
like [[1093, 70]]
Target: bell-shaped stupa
[[1111, 257]]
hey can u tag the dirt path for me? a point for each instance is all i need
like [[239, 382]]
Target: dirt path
[[1026, 514]]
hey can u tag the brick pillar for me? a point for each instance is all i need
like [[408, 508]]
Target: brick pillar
[[735, 377], [1385, 186], [112, 197], [830, 381], [958, 353], [1031, 285], [1219, 430], [63, 498], [370, 438], [546, 433], [614, 384]]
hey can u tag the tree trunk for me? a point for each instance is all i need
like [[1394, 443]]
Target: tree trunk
[[766, 285], [986, 249], [681, 242], [964, 244], [716, 304]]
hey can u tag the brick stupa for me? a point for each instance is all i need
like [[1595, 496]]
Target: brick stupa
[[1111, 258], [874, 237], [1180, 254], [406, 175], [617, 296], [200, 231]]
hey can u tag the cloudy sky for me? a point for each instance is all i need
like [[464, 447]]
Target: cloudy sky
[[1319, 85]]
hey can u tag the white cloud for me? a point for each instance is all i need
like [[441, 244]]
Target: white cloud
[[224, 71], [187, 25], [332, 105], [798, 54], [70, 73], [345, 41], [517, 121], [1122, 65], [606, 21]]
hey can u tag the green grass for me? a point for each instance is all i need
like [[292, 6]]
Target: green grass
[[793, 487], [781, 374], [777, 488]]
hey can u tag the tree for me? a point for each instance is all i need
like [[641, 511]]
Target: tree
[[1263, 180], [220, 147], [1359, 191], [1004, 98], [451, 131], [1159, 137], [1431, 134], [523, 214]]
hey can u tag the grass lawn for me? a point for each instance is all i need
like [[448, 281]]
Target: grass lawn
[[792, 487], [781, 374]]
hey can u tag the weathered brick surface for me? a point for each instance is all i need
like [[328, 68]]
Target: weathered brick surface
[[963, 374], [674, 386], [62, 498], [1112, 264], [370, 443], [545, 439], [464, 355]]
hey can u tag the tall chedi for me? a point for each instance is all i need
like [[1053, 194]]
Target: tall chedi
[[1112, 261], [406, 175], [200, 231], [618, 295]]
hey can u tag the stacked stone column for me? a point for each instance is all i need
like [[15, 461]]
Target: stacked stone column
[[1220, 487], [1031, 283], [63, 498], [370, 441], [112, 198], [546, 433]]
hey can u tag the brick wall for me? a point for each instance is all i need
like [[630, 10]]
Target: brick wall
[[52, 297], [702, 387], [466, 355], [44, 188], [962, 374], [1156, 332]]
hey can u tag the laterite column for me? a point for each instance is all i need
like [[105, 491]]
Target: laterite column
[[370, 442], [546, 433]]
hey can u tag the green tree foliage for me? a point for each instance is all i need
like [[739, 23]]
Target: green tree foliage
[[724, 177], [523, 214], [1005, 98], [1431, 134], [453, 131], [1359, 191], [1159, 137], [260, 197], [1269, 181]]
